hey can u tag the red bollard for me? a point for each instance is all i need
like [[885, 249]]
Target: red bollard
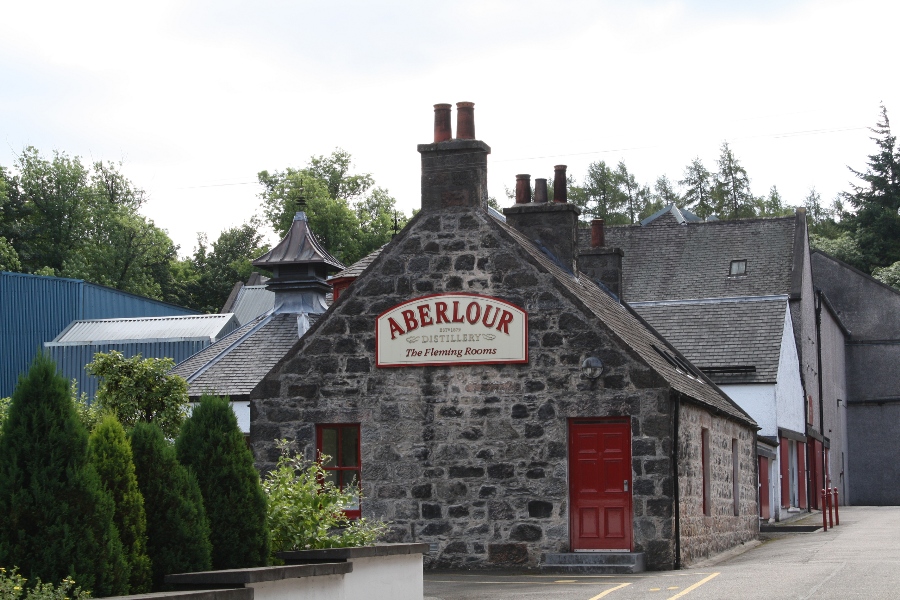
[[824, 511], [830, 512], [837, 515]]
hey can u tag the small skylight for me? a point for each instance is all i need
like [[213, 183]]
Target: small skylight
[[738, 267]]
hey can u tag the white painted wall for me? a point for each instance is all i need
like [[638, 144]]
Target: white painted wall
[[241, 411], [758, 399], [397, 577], [790, 401], [320, 587]]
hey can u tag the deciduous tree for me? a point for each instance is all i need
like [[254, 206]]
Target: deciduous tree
[[141, 389]]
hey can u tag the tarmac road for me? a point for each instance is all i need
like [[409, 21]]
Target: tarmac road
[[858, 559]]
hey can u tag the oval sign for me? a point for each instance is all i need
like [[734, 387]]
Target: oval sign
[[451, 329]]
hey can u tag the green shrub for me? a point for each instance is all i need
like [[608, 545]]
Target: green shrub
[[177, 527], [4, 410], [111, 455], [307, 511], [57, 521], [212, 446], [141, 389], [13, 587]]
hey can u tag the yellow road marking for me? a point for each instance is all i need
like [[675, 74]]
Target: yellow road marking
[[610, 591], [672, 588], [654, 589], [690, 589]]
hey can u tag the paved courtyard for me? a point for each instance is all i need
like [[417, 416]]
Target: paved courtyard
[[858, 559]]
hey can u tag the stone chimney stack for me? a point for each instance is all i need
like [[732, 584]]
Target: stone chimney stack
[[600, 263], [551, 225], [454, 171]]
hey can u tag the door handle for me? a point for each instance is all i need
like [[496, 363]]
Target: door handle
[[625, 485]]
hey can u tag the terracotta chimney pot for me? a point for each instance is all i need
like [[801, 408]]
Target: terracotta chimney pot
[[560, 189], [442, 131], [523, 189], [465, 120], [597, 238]]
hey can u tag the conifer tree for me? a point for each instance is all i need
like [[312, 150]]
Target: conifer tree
[[112, 457], [212, 446], [57, 521], [177, 527], [698, 189], [876, 223], [731, 192]]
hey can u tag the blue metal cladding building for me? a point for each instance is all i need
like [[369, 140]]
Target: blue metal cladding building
[[35, 309]]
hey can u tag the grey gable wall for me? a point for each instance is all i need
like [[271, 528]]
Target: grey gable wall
[[472, 458]]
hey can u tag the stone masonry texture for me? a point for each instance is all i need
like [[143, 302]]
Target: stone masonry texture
[[472, 458]]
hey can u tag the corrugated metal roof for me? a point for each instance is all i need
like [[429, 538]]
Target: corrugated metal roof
[[168, 329], [71, 359], [251, 302], [35, 309]]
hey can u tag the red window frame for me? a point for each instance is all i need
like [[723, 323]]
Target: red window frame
[[343, 467]]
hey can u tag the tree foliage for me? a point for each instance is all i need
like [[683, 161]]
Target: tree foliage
[[306, 510], [111, 455], [217, 267], [140, 389], [731, 188], [57, 519], [66, 218], [876, 220], [13, 586], [177, 527], [212, 446], [698, 183], [350, 216]]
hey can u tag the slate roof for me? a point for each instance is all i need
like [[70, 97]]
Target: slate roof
[[359, 266], [668, 259], [236, 363], [635, 334], [723, 333]]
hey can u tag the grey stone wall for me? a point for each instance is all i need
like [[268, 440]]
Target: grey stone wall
[[471, 458], [701, 535]]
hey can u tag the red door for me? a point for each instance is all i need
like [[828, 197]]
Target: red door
[[600, 484], [764, 510]]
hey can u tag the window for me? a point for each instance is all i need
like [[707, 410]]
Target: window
[[340, 443], [736, 476], [704, 458], [738, 267]]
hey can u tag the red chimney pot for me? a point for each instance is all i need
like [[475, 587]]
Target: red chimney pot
[[560, 189], [597, 238], [523, 189], [465, 120], [442, 131]]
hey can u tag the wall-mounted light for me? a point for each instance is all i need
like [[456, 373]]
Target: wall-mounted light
[[592, 367]]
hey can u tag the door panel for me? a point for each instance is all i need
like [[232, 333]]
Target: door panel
[[600, 485]]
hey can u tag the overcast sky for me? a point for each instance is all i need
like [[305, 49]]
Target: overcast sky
[[197, 97]]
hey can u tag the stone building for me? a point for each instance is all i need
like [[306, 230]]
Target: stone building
[[497, 403]]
